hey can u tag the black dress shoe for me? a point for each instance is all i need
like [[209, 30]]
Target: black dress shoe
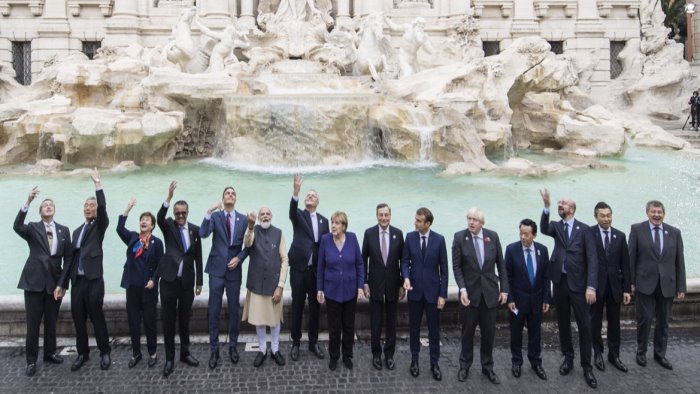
[[641, 360], [53, 359], [233, 354], [189, 360], [598, 362], [590, 379], [539, 371], [259, 359], [663, 362], [493, 378], [294, 354], [415, 371], [617, 363], [333, 365], [516, 370], [105, 361], [347, 361], [168, 369], [463, 374], [389, 362], [152, 361], [31, 369], [316, 350], [435, 370], [279, 358], [214, 359], [566, 367], [377, 362], [135, 360], [79, 362]]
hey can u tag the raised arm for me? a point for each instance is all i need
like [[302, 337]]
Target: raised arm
[[102, 218], [160, 218], [19, 226], [122, 231]]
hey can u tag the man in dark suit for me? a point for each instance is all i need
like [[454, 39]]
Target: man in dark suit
[[613, 285], [85, 272], [424, 269], [224, 269], [530, 295], [49, 243], [381, 252], [180, 268], [574, 271], [476, 257], [308, 226], [657, 265]]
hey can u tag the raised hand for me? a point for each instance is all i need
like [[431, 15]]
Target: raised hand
[[252, 217], [32, 194], [298, 180], [171, 191], [545, 197], [95, 175], [129, 205]]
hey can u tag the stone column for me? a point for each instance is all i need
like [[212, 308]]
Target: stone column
[[524, 19], [247, 17], [215, 12], [366, 7], [123, 27], [53, 36], [590, 41], [343, 16]]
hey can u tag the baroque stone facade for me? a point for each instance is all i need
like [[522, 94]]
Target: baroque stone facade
[[57, 28]]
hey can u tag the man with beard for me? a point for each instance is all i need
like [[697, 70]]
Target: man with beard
[[267, 274], [574, 272]]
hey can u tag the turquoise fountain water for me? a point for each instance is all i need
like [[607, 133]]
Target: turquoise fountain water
[[638, 176]]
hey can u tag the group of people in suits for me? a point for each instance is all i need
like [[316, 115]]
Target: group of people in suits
[[591, 269]]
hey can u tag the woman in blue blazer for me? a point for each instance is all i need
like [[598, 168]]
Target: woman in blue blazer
[[340, 280], [143, 253]]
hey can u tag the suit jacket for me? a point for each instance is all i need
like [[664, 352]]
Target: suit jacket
[[221, 252], [527, 297], [340, 273], [479, 281], [42, 271], [614, 266], [174, 252], [152, 257], [580, 256], [90, 249], [648, 267], [428, 275], [383, 281], [303, 245]]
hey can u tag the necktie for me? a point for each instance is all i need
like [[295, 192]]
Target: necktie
[[228, 226], [423, 245], [314, 226], [479, 258], [657, 240], [607, 241], [183, 231], [566, 233], [81, 269], [530, 268], [49, 236], [385, 252]]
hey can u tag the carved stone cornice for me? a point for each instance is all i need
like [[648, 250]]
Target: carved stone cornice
[[542, 7], [505, 6], [605, 6], [104, 5], [36, 7]]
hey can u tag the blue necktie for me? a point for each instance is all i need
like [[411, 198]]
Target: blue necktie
[[182, 238], [422, 245], [530, 268]]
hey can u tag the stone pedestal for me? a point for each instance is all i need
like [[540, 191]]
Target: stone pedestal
[[123, 28], [54, 33], [247, 17], [215, 12]]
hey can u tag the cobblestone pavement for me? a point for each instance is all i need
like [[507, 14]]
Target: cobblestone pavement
[[310, 375]]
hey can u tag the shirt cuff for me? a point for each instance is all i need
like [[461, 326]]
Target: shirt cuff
[[166, 204], [590, 288], [207, 216], [24, 208], [463, 290], [546, 211], [295, 198]]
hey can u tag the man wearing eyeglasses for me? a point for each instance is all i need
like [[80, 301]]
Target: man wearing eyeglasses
[[49, 243], [179, 270]]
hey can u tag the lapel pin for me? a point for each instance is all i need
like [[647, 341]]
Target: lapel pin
[[538, 252], [394, 237], [320, 220], [614, 236], [237, 218], [577, 227], [666, 232], [59, 230]]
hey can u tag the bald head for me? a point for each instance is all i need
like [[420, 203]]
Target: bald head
[[566, 208]]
